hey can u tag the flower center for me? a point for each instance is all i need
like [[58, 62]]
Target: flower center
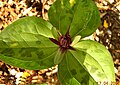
[[65, 41]]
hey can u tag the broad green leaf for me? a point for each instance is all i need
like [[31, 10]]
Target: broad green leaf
[[25, 44], [72, 72], [58, 57], [55, 33], [97, 60], [76, 40], [81, 16]]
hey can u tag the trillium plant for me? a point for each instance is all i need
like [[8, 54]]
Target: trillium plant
[[33, 43]]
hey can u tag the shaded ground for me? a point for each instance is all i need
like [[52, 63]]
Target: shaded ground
[[108, 34]]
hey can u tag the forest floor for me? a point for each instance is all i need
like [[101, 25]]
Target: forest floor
[[108, 34]]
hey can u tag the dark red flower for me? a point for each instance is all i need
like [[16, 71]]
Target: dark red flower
[[63, 42]]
